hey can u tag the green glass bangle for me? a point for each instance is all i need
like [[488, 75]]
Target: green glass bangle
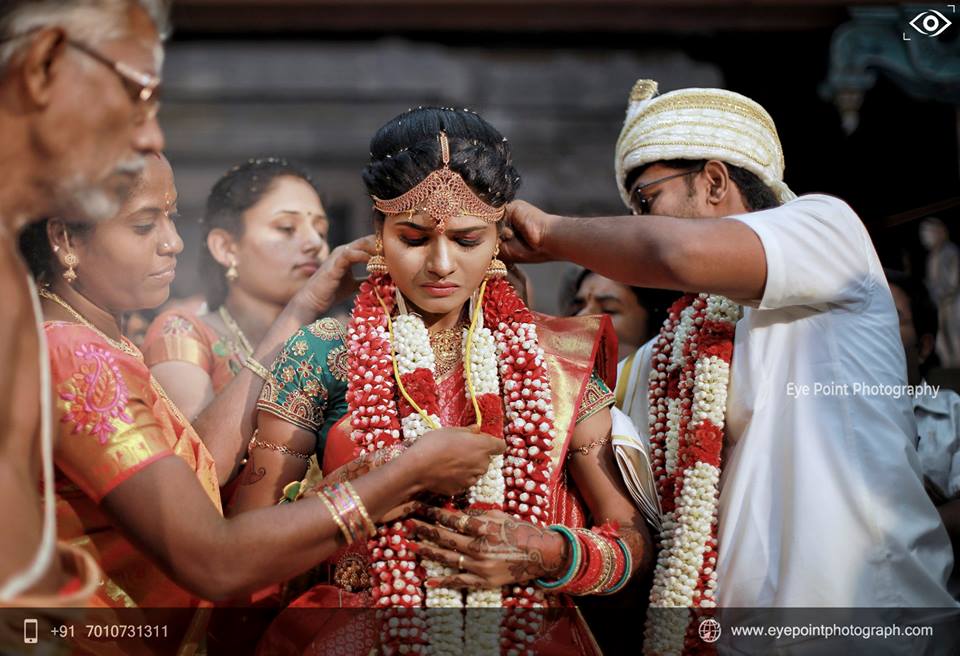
[[627, 566], [574, 560]]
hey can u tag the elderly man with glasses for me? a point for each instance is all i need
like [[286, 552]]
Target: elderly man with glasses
[[798, 397], [79, 83]]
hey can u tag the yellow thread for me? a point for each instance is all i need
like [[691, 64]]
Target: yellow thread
[[473, 323], [396, 371]]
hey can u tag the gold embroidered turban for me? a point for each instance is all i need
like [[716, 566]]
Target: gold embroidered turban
[[699, 124]]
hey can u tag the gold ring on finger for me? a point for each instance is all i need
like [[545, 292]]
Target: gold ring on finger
[[462, 523], [460, 562]]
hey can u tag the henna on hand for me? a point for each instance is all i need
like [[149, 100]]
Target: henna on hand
[[510, 550]]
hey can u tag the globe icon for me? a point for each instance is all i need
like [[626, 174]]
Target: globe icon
[[709, 630]]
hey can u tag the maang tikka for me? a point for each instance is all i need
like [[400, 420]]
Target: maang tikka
[[443, 195]]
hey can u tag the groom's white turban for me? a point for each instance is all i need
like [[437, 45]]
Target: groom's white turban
[[698, 124]]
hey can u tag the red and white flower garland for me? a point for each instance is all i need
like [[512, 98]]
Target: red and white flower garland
[[688, 396], [517, 481]]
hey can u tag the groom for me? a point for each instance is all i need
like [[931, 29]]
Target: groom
[[821, 501]]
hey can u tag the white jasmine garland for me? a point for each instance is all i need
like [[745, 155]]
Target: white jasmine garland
[[710, 390], [511, 354], [412, 350], [673, 435], [685, 576]]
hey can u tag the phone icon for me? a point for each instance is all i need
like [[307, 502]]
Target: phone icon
[[30, 632]]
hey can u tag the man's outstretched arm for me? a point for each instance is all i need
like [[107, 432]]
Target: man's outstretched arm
[[720, 256]]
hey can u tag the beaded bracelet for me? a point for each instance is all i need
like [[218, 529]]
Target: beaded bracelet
[[627, 566], [575, 559]]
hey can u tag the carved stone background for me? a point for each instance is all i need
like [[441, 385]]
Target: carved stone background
[[319, 103], [559, 97]]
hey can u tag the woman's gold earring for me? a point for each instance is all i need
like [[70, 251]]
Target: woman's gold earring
[[71, 261], [377, 265], [232, 273], [496, 268]]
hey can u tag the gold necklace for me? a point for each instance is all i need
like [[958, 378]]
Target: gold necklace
[[122, 345], [447, 345], [238, 335]]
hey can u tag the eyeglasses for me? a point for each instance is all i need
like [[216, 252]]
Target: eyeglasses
[[143, 88], [640, 204]]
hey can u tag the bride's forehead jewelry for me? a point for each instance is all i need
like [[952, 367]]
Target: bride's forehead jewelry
[[443, 195]]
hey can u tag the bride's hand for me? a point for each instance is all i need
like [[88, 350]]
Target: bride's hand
[[491, 548]]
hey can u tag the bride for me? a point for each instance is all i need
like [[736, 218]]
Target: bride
[[438, 337]]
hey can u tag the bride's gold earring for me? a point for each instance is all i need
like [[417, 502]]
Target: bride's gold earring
[[377, 265], [232, 273], [70, 260], [496, 268]]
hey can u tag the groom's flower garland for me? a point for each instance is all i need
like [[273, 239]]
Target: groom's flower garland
[[516, 482], [688, 396]]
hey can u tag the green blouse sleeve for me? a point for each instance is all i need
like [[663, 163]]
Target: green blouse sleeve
[[309, 385], [596, 397]]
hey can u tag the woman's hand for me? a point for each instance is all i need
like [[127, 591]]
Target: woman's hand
[[491, 548], [332, 282], [449, 460]]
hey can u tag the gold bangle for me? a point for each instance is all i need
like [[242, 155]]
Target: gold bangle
[[336, 517], [346, 505], [258, 369], [279, 448], [370, 526]]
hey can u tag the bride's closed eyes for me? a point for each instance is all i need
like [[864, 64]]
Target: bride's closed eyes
[[416, 237]]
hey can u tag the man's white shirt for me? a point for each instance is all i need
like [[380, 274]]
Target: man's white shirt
[[822, 502]]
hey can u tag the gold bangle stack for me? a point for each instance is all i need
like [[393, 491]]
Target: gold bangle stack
[[368, 524], [336, 516], [348, 511]]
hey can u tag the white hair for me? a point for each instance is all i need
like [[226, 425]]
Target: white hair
[[91, 21]]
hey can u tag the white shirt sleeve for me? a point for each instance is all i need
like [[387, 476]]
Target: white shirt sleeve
[[817, 252]]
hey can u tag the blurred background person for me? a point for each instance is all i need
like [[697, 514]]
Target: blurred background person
[[943, 281], [636, 312], [937, 411], [78, 102], [265, 235]]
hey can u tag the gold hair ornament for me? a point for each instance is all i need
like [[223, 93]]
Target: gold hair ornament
[[443, 195]]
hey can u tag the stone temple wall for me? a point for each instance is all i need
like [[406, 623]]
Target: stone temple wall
[[320, 102]]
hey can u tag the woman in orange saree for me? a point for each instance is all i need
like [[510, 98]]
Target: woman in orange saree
[[136, 487], [438, 338]]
